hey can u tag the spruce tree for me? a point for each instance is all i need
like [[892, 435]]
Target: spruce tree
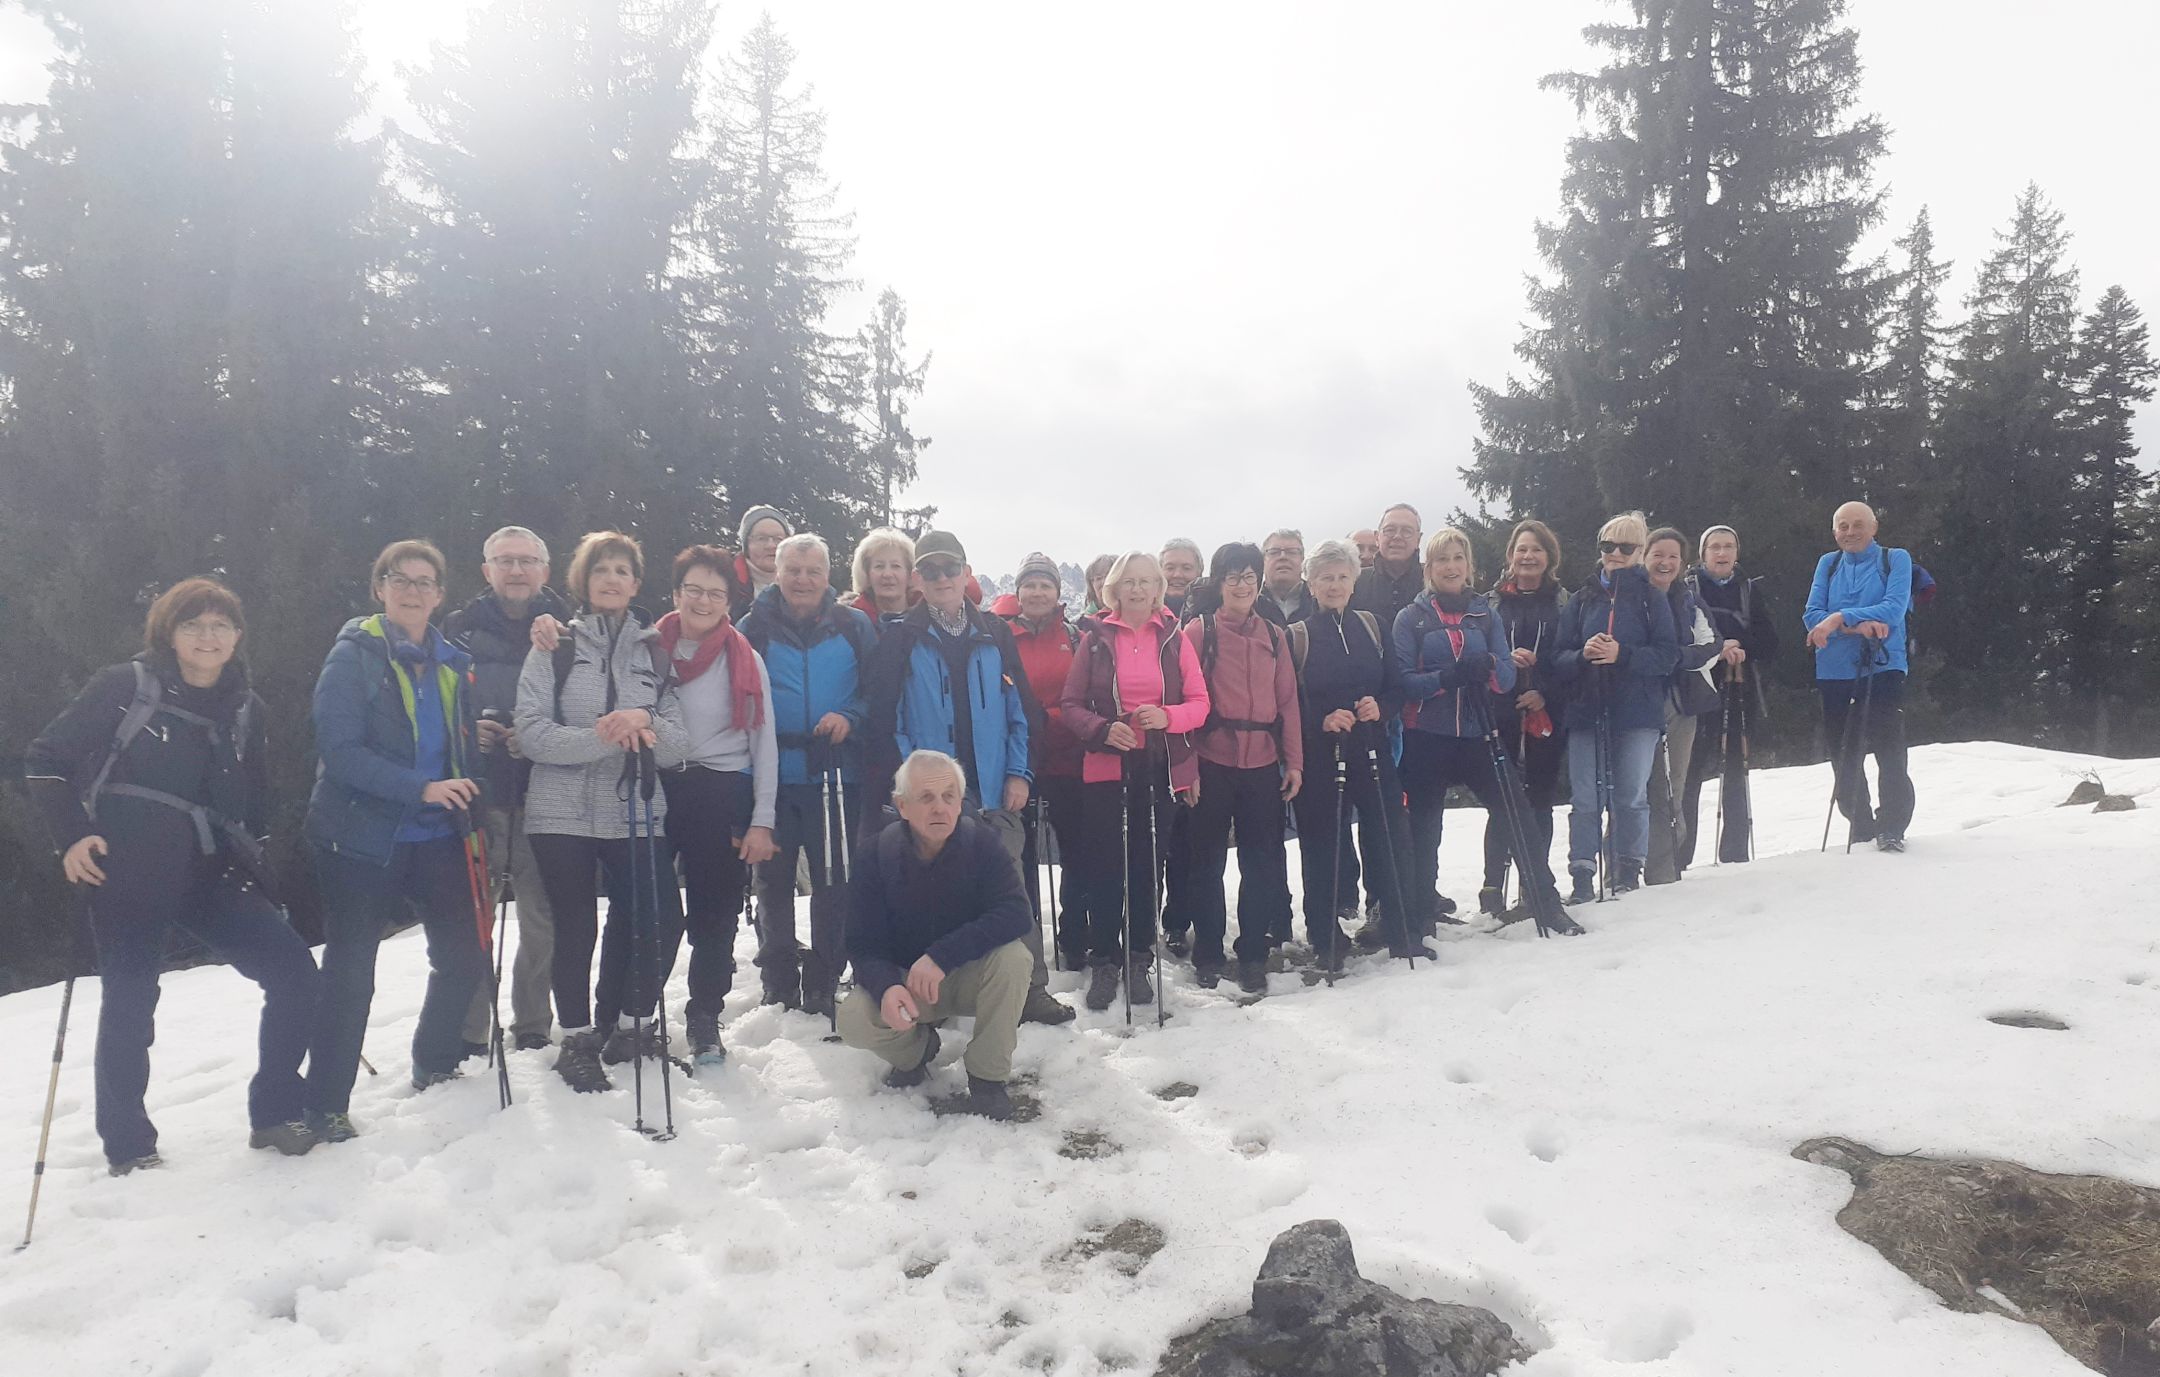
[[1906, 387], [895, 449], [2005, 474], [2115, 372], [1700, 339]]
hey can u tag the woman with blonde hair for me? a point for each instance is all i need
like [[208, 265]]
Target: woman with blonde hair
[[1134, 696], [884, 566], [1618, 647], [1448, 648], [1528, 602]]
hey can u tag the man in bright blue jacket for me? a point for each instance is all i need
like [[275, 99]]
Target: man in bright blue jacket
[[1855, 620], [816, 651]]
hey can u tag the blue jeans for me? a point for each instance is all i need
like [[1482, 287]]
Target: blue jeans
[[148, 890], [1633, 749], [361, 900]]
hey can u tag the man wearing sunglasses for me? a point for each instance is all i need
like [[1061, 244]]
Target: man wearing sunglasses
[[947, 677], [496, 630]]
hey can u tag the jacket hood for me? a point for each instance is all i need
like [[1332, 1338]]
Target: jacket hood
[[371, 634], [1428, 603]]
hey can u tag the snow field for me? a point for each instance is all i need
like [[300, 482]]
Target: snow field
[[1590, 1137]]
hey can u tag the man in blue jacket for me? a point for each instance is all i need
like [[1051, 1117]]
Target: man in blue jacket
[[1855, 621], [947, 677], [936, 926], [816, 650]]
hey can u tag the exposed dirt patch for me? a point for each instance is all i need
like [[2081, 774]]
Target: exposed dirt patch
[[1178, 1090], [2077, 1255], [1088, 1145], [1130, 1243], [2029, 1018], [916, 1271]]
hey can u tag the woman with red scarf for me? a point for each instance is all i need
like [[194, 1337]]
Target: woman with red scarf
[[1528, 603], [721, 803]]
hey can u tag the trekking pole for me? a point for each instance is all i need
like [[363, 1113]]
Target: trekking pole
[[1334, 890], [1050, 876], [1717, 855], [1858, 763], [1126, 859], [1839, 763], [637, 908], [367, 1065], [1155, 866], [52, 1093], [1387, 841], [1740, 718], [648, 782], [476, 883]]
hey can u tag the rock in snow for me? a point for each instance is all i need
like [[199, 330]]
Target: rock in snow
[[1313, 1315]]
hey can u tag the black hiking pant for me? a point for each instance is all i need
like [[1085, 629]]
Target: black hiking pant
[[708, 813], [1383, 831], [1541, 760], [1061, 802], [800, 822], [1120, 844], [1734, 824], [1252, 799], [1884, 738], [1431, 764], [569, 868]]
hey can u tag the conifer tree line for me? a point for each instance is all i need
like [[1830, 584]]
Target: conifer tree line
[[598, 282], [1711, 341]]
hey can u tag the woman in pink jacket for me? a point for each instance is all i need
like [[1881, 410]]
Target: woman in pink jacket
[[1134, 697], [1252, 761]]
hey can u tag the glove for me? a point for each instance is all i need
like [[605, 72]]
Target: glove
[[1473, 668]]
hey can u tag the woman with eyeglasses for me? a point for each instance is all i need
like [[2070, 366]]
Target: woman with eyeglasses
[[1617, 652], [1252, 761], [393, 726], [152, 787]]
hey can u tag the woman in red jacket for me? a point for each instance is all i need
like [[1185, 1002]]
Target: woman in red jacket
[[1252, 760], [1134, 697], [1047, 641]]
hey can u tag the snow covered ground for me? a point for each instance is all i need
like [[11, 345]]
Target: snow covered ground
[[1591, 1137]]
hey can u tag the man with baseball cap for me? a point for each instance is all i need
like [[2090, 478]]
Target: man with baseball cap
[[947, 677]]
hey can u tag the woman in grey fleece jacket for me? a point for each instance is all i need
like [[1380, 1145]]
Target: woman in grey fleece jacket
[[616, 697]]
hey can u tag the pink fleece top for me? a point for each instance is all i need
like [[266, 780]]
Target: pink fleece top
[[1254, 681], [1137, 655]]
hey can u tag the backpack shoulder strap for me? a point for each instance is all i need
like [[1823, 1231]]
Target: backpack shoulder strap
[[1372, 628], [565, 658], [142, 706], [1299, 635], [1208, 645]]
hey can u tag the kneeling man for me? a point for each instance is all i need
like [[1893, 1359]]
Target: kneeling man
[[936, 928]]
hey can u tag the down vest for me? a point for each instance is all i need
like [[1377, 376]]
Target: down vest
[[578, 785]]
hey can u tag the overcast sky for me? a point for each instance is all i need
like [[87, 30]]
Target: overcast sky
[[1207, 270]]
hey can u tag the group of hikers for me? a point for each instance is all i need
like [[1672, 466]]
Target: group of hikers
[[944, 780]]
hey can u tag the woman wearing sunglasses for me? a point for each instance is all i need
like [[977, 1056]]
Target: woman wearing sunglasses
[[1617, 652]]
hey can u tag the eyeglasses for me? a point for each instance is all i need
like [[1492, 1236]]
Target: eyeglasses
[[517, 561], [216, 628], [1285, 552], [938, 570], [692, 592], [1247, 579], [1409, 532], [1617, 547], [403, 584]]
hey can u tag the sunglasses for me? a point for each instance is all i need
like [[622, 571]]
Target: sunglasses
[[938, 570], [1617, 547]]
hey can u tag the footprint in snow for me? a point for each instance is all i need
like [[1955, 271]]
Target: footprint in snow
[[1510, 1220], [1461, 1073], [1088, 1145], [1544, 1143], [1649, 1337]]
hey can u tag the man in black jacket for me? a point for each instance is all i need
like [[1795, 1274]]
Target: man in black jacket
[[1284, 598], [1750, 644], [496, 630], [1398, 574], [936, 928]]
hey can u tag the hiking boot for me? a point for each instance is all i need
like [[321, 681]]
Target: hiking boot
[[622, 1044], [1073, 958], [1333, 953], [1374, 935], [1208, 970], [920, 1071], [786, 996], [1177, 944], [579, 1062], [1491, 901], [819, 1003], [1102, 986], [424, 1080], [1889, 841], [1041, 1008], [331, 1128], [1137, 983], [1252, 977], [1443, 908], [149, 1161], [705, 1048], [988, 1098], [1418, 950], [1585, 890], [469, 1050], [532, 1042], [1627, 877], [293, 1138]]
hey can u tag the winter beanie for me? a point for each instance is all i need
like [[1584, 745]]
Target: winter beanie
[[756, 514], [1039, 563]]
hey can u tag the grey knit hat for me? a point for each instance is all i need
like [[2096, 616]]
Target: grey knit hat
[[1039, 563], [751, 518]]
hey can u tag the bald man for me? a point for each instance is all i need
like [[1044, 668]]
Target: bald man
[[1855, 621]]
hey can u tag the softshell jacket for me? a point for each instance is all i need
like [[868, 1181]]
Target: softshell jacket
[[580, 785], [1531, 621], [367, 787], [1694, 683], [1346, 661], [955, 908], [498, 644], [1866, 587], [1046, 655], [1385, 595], [913, 692], [1632, 690], [1429, 645], [1304, 607], [1252, 693], [1738, 612], [188, 751], [1120, 668], [817, 667]]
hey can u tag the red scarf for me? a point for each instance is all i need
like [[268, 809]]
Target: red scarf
[[742, 664], [1537, 722]]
